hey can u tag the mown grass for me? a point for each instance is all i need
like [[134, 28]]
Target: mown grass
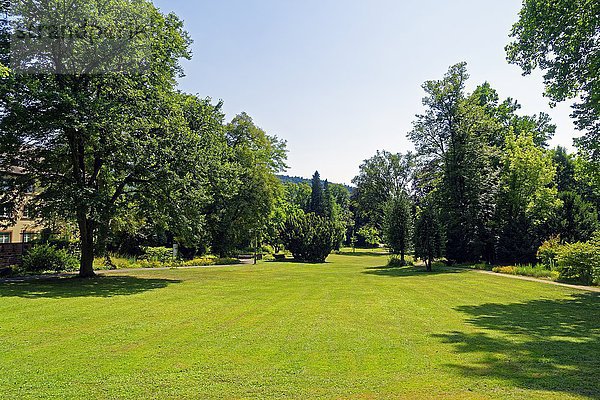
[[351, 328]]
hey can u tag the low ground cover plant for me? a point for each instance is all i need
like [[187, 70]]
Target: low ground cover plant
[[121, 262], [528, 270]]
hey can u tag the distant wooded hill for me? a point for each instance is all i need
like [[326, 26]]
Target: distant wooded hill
[[297, 179]]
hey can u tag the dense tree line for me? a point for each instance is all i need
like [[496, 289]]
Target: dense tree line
[[485, 173], [115, 148], [119, 153]]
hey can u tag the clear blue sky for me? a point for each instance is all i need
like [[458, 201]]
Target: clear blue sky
[[340, 79]]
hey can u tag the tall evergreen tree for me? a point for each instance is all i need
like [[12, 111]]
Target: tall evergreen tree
[[317, 202], [329, 204]]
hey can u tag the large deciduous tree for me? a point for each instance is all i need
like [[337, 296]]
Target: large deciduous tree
[[245, 188], [381, 178], [527, 199], [97, 122], [561, 38], [452, 138]]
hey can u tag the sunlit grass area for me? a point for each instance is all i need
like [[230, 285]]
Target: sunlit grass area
[[351, 328]]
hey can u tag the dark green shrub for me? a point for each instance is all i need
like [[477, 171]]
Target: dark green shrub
[[45, 257], [310, 237]]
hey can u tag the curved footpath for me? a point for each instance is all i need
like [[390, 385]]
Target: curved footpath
[[529, 278]]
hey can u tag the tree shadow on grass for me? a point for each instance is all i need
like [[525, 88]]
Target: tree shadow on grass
[[409, 271], [104, 286], [550, 345], [362, 253]]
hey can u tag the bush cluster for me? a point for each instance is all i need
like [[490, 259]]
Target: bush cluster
[[44, 257], [580, 261], [548, 252], [132, 263], [160, 254], [574, 261], [310, 237]]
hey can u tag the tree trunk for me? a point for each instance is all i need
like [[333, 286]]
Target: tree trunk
[[429, 264], [86, 233], [402, 257]]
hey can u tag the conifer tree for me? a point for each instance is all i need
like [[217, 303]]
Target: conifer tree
[[316, 199]]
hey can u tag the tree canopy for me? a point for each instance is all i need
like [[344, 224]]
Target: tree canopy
[[561, 38]]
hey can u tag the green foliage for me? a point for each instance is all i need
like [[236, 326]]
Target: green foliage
[[565, 170], [381, 177], [428, 236], [398, 262], [561, 38], [453, 140], [310, 237], [317, 200], [580, 261], [245, 189], [535, 272], [548, 252], [398, 224], [146, 263], [527, 198], [370, 235], [109, 137], [160, 254], [42, 258], [298, 195], [588, 179], [576, 220]]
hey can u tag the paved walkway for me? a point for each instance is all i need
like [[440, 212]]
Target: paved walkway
[[531, 279]]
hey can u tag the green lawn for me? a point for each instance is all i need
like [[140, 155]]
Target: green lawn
[[348, 329]]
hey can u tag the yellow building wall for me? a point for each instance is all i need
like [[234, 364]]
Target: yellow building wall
[[23, 225]]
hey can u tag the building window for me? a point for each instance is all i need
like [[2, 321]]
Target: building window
[[4, 237], [6, 211], [29, 237], [28, 212]]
